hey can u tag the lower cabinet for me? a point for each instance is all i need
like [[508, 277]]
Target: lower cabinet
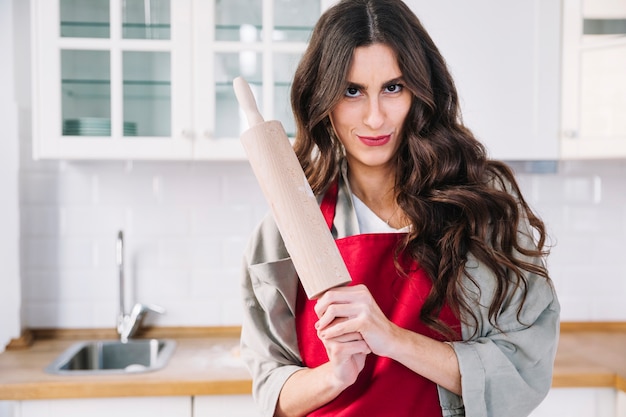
[[106, 407], [570, 402], [580, 402], [224, 405], [201, 406]]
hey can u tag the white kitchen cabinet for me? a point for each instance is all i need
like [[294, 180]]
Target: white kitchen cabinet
[[620, 406], [199, 406], [113, 80], [593, 85], [578, 402], [224, 406], [570, 402], [128, 79], [505, 59], [106, 407]]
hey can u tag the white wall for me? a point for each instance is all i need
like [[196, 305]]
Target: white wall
[[9, 215], [584, 206], [505, 60], [187, 223], [185, 228]]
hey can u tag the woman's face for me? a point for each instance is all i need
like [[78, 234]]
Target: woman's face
[[369, 118]]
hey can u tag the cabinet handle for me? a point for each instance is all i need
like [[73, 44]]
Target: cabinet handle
[[187, 133]]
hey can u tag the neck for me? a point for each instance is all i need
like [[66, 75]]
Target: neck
[[374, 186], [376, 189]]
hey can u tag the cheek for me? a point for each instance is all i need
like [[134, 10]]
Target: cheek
[[342, 118], [401, 111]]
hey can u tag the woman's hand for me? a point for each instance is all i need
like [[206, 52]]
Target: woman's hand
[[348, 313], [310, 388], [346, 353], [345, 312]]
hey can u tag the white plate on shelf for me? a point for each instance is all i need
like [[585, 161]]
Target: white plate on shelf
[[94, 126]]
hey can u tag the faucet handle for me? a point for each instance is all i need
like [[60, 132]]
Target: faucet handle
[[140, 309], [155, 308], [131, 323]]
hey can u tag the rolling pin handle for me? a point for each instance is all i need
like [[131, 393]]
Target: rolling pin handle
[[246, 101]]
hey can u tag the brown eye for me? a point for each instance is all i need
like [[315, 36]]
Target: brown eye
[[352, 92], [393, 88]]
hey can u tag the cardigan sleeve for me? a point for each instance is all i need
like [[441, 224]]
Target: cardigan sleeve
[[510, 372], [268, 341], [506, 370]]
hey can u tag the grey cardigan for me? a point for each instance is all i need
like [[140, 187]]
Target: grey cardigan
[[503, 373]]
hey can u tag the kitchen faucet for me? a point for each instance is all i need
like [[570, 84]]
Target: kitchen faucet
[[128, 324]]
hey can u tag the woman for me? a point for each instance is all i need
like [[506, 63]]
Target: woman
[[451, 310]]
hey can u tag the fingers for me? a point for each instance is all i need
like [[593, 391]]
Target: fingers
[[350, 311], [336, 349], [337, 313], [344, 310], [340, 295], [346, 354], [346, 349], [344, 338]]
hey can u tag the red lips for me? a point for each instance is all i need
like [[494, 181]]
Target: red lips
[[375, 140]]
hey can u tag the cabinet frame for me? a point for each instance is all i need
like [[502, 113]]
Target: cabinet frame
[[192, 47], [47, 44], [575, 145]]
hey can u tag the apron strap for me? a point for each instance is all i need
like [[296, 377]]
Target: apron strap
[[329, 203]]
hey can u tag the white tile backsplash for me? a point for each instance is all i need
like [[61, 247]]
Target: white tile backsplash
[[185, 227], [187, 224], [584, 207]]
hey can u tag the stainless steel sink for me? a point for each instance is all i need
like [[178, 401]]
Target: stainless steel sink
[[113, 357]]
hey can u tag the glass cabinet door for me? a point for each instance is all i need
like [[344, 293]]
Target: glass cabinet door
[[147, 93], [602, 80], [238, 20], [593, 92], [152, 79], [284, 67], [86, 75], [229, 122], [143, 19], [294, 19], [86, 92], [262, 41], [85, 19]]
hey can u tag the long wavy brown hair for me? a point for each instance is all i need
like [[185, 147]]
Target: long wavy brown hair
[[459, 202]]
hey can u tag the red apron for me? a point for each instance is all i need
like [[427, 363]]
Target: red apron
[[384, 387]]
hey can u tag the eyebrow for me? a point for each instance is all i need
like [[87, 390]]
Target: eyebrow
[[393, 81]]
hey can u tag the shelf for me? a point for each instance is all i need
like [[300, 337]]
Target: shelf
[[108, 82], [93, 89], [279, 33], [98, 25], [256, 83], [259, 27], [153, 31]]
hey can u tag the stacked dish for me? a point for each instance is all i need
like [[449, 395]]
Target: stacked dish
[[94, 126]]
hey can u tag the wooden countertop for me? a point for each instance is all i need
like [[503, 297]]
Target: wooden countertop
[[591, 359], [202, 366], [587, 357]]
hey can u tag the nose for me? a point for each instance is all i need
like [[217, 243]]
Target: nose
[[375, 115]]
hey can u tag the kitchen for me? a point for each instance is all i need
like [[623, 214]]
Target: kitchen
[[187, 222]]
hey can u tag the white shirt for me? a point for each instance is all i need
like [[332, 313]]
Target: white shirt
[[369, 222]]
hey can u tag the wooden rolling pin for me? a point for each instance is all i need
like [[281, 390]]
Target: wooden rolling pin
[[294, 206]]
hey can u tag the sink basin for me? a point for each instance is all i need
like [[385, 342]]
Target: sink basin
[[113, 357]]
